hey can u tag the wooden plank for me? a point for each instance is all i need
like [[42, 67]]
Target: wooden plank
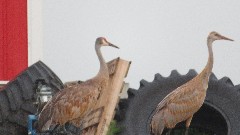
[[124, 93], [118, 70], [111, 96]]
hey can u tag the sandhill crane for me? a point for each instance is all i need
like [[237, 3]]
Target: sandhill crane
[[183, 102], [76, 102]]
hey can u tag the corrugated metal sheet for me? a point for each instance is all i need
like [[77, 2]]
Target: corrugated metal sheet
[[13, 38]]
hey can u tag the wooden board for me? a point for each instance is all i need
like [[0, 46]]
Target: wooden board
[[103, 113]]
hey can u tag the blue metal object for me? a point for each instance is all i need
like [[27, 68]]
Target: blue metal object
[[31, 119], [44, 94]]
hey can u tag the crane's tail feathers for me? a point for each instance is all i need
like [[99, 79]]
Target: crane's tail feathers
[[45, 118], [46, 126], [157, 124]]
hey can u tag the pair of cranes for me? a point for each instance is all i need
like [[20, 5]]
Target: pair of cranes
[[72, 104]]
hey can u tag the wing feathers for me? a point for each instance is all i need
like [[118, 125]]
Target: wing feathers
[[68, 104], [179, 105]]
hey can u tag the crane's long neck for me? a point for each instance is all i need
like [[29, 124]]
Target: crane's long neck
[[103, 71], [208, 68]]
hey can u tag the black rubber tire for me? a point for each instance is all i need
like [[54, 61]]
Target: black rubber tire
[[220, 113], [17, 97]]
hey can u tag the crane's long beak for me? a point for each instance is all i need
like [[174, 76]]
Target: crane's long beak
[[110, 44], [225, 38]]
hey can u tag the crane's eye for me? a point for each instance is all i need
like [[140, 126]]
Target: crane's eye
[[104, 39]]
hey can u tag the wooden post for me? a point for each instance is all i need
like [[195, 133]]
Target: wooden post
[[112, 95], [118, 71]]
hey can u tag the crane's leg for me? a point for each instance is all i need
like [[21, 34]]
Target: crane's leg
[[188, 122], [169, 132]]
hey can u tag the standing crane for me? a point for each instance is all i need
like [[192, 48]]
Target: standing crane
[[181, 104], [74, 103]]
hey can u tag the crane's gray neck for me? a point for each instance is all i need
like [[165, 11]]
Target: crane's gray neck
[[208, 68], [209, 65], [103, 66]]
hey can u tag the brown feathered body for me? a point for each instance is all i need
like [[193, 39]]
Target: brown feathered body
[[73, 103], [180, 105], [183, 102]]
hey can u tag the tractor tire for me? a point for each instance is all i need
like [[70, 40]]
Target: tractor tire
[[17, 97], [220, 113]]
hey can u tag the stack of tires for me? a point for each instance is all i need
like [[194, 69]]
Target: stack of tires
[[219, 115], [18, 96]]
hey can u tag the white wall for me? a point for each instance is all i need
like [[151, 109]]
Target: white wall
[[35, 37], [157, 36]]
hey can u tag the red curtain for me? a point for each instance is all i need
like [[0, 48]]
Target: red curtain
[[13, 38]]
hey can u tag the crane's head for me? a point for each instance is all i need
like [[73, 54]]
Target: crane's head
[[101, 41], [216, 36]]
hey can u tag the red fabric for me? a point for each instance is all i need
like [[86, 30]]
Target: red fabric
[[13, 38]]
